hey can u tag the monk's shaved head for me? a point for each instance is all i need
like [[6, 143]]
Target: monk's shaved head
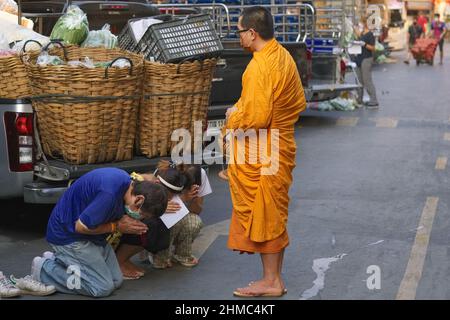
[[258, 19]]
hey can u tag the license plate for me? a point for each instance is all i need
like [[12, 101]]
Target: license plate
[[216, 124]]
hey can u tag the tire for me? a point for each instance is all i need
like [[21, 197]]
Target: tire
[[417, 62]]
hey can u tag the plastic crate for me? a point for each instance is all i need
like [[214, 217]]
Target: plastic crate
[[126, 39], [178, 40]]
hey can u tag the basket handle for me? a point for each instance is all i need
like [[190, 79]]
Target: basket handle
[[22, 51], [117, 59], [58, 42]]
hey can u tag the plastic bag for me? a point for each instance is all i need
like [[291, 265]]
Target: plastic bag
[[6, 53], [341, 104], [86, 63], [121, 63], [72, 28], [100, 38], [45, 59], [379, 46], [349, 33], [4, 44], [9, 6]]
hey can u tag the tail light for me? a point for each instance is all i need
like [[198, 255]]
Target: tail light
[[19, 137], [169, 10], [114, 7]]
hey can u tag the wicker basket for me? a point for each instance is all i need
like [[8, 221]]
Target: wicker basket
[[87, 115], [175, 96], [14, 83]]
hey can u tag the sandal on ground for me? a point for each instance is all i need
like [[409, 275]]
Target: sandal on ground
[[161, 264], [285, 291], [266, 294], [188, 262]]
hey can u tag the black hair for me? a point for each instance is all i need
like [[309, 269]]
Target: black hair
[[175, 174], [194, 173], [259, 19], [156, 197]]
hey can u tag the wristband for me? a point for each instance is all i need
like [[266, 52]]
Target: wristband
[[113, 227]]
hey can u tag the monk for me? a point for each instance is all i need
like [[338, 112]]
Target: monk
[[272, 98]]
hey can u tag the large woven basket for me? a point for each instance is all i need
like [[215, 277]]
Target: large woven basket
[[175, 97], [87, 115], [14, 83]]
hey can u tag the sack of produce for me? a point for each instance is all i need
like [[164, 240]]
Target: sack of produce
[[72, 27], [100, 39]]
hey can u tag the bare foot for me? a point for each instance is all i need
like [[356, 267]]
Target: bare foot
[[134, 267], [129, 273], [263, 282], [261, 288]]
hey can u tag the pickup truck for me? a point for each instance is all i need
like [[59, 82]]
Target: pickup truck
[[28, 173]]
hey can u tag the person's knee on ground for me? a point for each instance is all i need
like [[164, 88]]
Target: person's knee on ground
[[102, 290]]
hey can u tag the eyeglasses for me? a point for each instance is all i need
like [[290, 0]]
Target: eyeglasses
[[238, 32]]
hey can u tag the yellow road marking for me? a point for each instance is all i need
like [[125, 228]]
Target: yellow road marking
[[408, 286], [441, 163], [386, 122], [447, 136], [347, 121]]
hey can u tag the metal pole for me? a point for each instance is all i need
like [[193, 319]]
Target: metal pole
[[19, 12]]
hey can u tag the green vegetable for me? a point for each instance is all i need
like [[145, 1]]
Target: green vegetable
[[72, 27]]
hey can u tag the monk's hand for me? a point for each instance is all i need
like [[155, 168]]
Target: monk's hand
[[229, 112], [173, 207], [129, 225]]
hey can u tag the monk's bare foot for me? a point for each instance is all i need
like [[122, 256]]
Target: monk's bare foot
[[263, 282], [261, 288], [131, 266], [257, 291]]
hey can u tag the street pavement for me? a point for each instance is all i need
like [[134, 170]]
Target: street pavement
[[369, 207]]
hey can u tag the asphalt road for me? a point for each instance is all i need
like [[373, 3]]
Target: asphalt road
[[369, 207]]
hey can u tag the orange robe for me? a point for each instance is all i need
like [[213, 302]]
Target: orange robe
[[272, 98]]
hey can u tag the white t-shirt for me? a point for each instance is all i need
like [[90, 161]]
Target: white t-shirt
[[205, 187]]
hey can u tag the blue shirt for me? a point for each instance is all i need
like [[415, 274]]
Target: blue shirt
[[95, 198]]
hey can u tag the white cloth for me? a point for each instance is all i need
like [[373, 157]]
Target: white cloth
[[140, 27]]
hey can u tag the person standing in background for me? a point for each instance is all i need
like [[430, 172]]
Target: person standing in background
[[438, 30], [422, 21], [364, 61], [415, 31]]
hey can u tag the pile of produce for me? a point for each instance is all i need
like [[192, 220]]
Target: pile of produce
[[72, 28]]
